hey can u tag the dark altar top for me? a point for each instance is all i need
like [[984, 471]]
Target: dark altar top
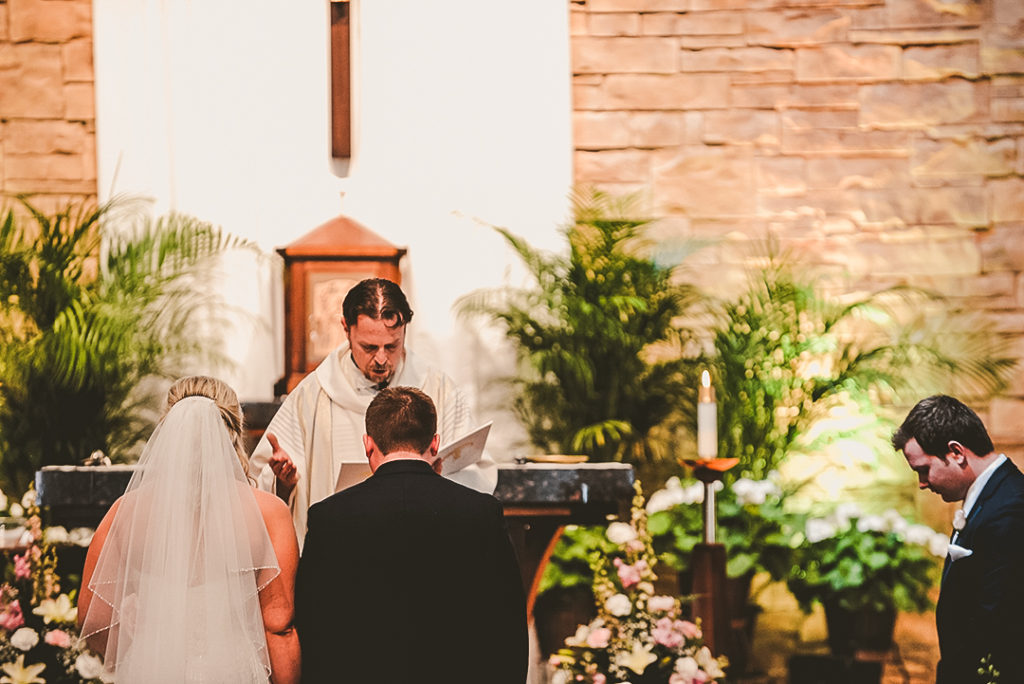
[[539, 499], [76, 496]]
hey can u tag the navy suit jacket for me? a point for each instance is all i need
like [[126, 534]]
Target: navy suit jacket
[[981, 602], [410, 577]]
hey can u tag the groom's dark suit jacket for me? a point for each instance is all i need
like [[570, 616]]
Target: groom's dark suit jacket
[[981, 603], [409, 577]]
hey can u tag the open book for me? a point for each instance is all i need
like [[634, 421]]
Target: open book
[[464, 451], [456, 455]]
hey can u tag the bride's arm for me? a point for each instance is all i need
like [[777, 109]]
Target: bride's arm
[[277, 600], [97, 642]]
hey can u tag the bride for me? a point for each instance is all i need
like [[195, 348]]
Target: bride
[[190, 576]]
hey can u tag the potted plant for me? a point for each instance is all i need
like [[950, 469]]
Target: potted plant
[[599, 339], [788, 349], [757, 532], [94, 300], [863, 569], [638, 636]]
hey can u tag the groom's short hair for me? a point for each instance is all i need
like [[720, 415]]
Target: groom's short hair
[[939, 419], [401, 419]]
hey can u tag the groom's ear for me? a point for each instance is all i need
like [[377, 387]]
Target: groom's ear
[[371, 448], [958, 451]]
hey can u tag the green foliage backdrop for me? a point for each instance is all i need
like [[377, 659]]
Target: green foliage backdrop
[[93, 301]]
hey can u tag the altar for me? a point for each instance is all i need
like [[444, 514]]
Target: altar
[[538, 498]]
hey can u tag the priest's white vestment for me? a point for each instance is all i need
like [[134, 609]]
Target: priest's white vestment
[[321, 425]]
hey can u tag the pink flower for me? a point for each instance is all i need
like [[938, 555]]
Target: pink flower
[[688, 629], [600, 678], [58, 638], [628, 574], [599, 638], [22, 569], [11, 617], [666, 634]]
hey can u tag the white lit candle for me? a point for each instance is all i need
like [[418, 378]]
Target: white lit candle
[[707, 419]]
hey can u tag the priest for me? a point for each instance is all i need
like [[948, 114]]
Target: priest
[[314, 444]]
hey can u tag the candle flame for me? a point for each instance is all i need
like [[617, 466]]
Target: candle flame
[[705, 379]]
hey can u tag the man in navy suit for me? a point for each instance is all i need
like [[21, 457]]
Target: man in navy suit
[[981, 601], [408, 576]]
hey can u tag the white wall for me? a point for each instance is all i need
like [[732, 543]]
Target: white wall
[[220, 109]]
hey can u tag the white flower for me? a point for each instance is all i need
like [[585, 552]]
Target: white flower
[[24, 638], [872, 523], [687, 667], [58, 534], [580, 637], [3, 501], [619, 605], [28, 499], [844, 512], [751, 492], [89, 666], [664, 499], [16, 510], [18, 673], [621, 533], [694, 494], [636, 660], [918, 534], [661, 604], [561, 677], [897, 523], [81, 536], [819, 529], [708, 663], [645, 588], [61, 610], [959, 519], [938, 545]]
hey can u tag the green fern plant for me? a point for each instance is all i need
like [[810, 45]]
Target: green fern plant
[[94, 302], [598, 338], [786, 352]]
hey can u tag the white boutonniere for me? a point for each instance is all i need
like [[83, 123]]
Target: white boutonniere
[[957, 552], [959, 519]]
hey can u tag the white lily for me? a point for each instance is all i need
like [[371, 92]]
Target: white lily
[[59, 610], [636, 660], [17, 673]]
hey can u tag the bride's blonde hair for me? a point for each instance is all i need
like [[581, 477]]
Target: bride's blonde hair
[[225, 399]]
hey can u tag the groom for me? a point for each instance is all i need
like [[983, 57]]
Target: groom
[[408, 576], [981, 600]]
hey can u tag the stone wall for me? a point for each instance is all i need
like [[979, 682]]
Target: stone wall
[[47, 119], [884, 136]]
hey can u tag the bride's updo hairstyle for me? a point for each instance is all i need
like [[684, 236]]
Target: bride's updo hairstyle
[[225, 399]]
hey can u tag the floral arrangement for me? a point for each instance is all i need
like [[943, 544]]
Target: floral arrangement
[[758, 534], [38, 639], [637, 636], [858, 561]]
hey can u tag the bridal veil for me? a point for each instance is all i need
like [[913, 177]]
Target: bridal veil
[[176, 585]]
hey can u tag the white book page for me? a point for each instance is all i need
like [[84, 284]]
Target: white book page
[[464, 451]]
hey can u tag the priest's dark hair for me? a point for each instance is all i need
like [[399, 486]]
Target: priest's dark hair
[[401, 419], [378, 298], [938, 420]]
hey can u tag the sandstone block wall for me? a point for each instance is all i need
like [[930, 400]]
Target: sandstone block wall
[[885, 137], [47, 117]]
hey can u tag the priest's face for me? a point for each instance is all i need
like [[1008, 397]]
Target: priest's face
[[947, 475], [376, 348]]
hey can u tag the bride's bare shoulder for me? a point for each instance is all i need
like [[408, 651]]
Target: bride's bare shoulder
[[271, 506]]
